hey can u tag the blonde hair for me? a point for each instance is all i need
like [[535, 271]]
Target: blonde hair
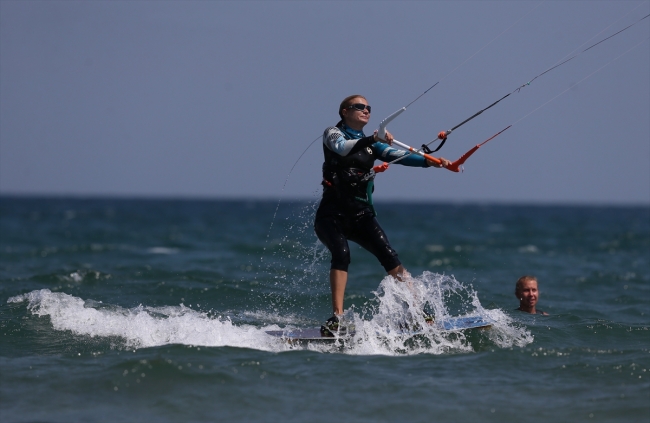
[[521, 280]]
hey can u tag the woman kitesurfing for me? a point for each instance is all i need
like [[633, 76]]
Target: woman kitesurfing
[[346, 211]]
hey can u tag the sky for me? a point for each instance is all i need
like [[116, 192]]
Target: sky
[[218, 99]]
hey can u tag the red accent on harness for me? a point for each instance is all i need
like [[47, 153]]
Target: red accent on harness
[[380, 168]]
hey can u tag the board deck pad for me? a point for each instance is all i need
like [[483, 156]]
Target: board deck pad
[[452, 324]]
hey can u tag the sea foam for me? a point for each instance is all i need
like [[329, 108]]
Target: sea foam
[[142, 326], [379, 326], [397, 305]]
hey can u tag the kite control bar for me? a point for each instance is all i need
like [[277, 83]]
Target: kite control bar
[[381, 133], [455, 166]]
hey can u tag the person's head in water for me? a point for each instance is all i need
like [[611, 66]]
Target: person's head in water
[[527, 292], [354, 112]]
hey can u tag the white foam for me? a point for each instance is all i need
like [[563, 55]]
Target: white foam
[[532, 249], [379, 330], [162, 250], [377, 326], [145, 326]]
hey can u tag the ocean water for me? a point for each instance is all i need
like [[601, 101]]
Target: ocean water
[[128, 310]]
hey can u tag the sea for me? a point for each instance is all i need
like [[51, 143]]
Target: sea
[[157, 310]]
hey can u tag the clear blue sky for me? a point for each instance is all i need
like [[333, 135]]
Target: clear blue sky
[[219, 99]]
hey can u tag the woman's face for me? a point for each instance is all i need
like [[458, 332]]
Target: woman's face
[[528, 293], [356, 119]]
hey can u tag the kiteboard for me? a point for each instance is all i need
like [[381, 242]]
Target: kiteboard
[[304, 335], [450, 324]]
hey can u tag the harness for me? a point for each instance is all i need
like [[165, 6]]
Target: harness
[[350, 177]]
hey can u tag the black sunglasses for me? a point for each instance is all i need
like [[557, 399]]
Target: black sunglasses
[[359, 106]]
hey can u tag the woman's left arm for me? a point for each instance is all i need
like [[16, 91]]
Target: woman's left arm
[[388, 154]]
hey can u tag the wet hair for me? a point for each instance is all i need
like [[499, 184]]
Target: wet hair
[[521, 280], [347, 101]]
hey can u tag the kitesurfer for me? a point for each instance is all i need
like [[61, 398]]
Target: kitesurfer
[[346, 211]]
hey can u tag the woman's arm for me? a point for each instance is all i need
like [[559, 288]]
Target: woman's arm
[[388, 154], [334, 140]]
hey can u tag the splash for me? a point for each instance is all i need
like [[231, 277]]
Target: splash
[[378, 326], [143, 327], [398, 305], [296, 260]]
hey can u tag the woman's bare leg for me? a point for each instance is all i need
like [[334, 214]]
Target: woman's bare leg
[[399, 273], [338, 280]]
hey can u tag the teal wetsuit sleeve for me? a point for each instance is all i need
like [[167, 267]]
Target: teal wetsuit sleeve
[[388, 154]]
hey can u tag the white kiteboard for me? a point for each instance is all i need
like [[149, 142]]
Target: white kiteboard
[[451, 324]]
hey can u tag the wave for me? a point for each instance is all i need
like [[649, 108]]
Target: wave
[[376, 323]]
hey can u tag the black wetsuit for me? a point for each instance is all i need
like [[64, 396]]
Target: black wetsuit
[[346, 211], [543, 313]]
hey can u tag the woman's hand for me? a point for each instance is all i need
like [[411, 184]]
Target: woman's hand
[[388, 140], [443, 162]]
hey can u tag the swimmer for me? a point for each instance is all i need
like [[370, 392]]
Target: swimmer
[[528, 294]]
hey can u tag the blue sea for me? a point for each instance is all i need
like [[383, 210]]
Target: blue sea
[[122, 310]]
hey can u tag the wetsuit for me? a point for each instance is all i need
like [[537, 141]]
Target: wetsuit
[[346, 211], [536, 311]]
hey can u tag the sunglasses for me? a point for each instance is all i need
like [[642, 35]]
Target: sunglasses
[[359, 106]]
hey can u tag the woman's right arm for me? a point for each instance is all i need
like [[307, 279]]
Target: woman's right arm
[[334, 140]]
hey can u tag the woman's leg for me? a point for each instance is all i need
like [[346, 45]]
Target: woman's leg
[[330, 233], [369, 235], [399, 273], [338, 280]]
